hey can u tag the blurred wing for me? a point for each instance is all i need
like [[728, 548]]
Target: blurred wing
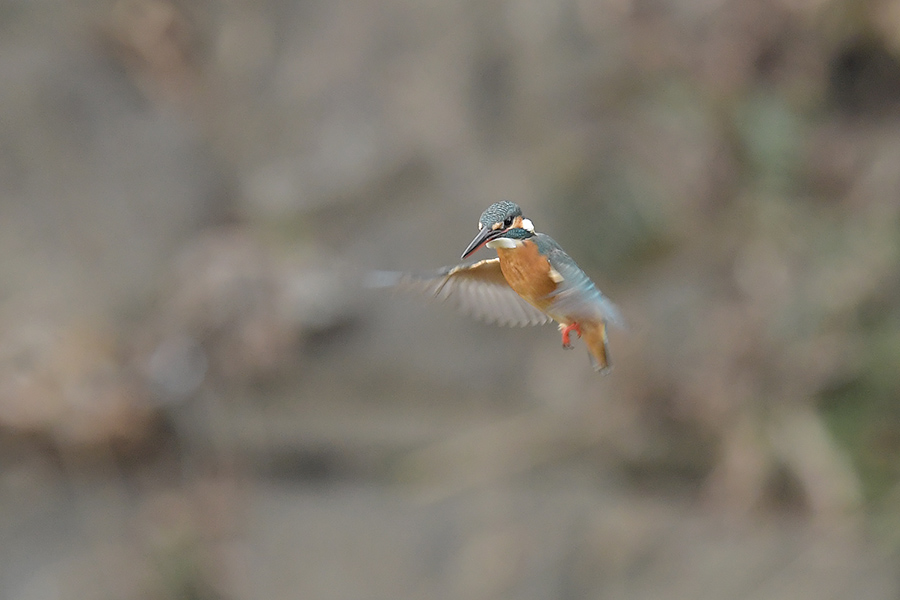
[[576, 295], [479, 290]]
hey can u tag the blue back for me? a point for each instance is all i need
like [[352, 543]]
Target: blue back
[[576, 295]]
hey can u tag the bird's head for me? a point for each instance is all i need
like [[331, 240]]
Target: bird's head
[[501, 225]]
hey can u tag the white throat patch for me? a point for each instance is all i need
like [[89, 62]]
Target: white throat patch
[[503, 243]]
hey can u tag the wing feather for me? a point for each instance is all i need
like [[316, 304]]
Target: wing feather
[[477, 289], [576, 295]]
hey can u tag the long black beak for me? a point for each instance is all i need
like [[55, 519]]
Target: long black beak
[[484, 236]]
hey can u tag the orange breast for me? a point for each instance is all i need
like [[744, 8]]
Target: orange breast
[[527, 271]]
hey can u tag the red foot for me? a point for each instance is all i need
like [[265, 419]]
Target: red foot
[[565, 334]]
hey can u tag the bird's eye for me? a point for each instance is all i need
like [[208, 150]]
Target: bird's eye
[[508, 223]]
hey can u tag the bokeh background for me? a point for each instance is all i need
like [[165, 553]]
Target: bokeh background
[[198, 399]]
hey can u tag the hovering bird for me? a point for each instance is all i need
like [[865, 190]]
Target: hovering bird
[[531, 282]]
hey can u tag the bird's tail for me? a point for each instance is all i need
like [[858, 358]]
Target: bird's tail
[[594, 336]]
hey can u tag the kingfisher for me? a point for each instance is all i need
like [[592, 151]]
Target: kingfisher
[[532, 281]]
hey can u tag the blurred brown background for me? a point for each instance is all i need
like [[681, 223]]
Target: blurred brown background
[[198, 399]]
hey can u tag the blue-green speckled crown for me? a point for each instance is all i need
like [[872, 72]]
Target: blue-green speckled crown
[[499, 212]]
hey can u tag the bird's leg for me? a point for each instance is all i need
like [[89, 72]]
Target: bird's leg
[[566, 330]]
